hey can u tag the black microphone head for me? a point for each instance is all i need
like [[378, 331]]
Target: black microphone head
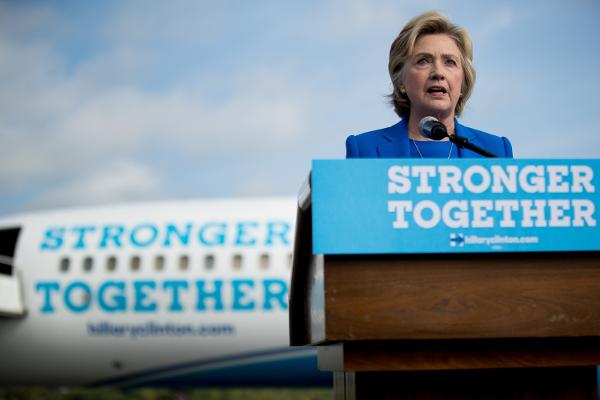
[[431, 128]]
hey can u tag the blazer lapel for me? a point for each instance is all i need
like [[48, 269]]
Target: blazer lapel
[[394, 141], [467, 133]]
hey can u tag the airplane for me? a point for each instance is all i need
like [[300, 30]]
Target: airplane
[[179, 293]]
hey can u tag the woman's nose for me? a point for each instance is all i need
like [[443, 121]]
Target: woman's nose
[[436, 71]]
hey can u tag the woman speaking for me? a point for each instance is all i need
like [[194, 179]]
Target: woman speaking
[[432, 72]]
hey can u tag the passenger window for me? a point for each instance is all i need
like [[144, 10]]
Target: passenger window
[[64, 264], [184, 263], [159, 263], [237, 261], [111, 263], [136, 263], [88, 263], [263, 261], [209, 262]]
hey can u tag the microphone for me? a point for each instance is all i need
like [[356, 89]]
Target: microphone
[[431, 128]]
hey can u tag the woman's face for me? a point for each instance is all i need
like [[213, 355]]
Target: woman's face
[[433, 76]]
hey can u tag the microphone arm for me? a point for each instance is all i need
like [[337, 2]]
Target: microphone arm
[[463, 143], [432, 128]]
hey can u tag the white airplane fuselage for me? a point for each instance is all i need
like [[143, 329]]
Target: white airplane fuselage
[[174, 293]]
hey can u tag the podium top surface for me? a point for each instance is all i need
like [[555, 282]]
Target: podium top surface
[[385, 206]]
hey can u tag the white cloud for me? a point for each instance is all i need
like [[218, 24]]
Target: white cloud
[[117, 181], [255, 186], [122, 120], [59, 126]]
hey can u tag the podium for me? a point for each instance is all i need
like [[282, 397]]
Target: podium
[[455, 325]]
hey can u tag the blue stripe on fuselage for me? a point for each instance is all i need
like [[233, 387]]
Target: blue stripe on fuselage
[[282, 367]]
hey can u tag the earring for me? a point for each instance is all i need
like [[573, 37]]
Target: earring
[[402, 90]]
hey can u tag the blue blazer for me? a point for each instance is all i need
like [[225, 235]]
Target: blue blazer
[[392, 142]]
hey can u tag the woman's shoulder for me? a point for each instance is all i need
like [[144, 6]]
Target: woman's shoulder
[[366, 144], [378, 134], [497, 144]]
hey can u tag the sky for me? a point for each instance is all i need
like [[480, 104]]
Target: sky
[[124, 100]]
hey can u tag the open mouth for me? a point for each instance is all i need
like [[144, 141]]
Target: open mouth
[[437, 90]]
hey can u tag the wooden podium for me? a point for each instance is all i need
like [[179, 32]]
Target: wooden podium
[[509, 325]]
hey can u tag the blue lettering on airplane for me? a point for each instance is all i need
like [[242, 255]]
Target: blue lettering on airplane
[[144, 235], [151, 296]]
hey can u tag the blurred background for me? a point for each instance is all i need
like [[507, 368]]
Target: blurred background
[[112, 101]]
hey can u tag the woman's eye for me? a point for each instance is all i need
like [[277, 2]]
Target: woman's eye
[[422, 61], [451, 62]]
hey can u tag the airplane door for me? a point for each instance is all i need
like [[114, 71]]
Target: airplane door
[[11, 288]]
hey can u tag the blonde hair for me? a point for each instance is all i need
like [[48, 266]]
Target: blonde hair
[[429, 23]]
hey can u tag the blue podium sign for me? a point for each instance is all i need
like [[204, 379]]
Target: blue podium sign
[[412, 206]]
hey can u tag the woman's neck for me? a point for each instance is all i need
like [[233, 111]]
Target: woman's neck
[[413, 125]]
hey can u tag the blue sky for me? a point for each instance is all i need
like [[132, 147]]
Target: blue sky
[[112, 101]]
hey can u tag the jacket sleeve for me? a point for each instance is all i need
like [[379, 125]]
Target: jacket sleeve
[[508, 153], [352, 147]]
